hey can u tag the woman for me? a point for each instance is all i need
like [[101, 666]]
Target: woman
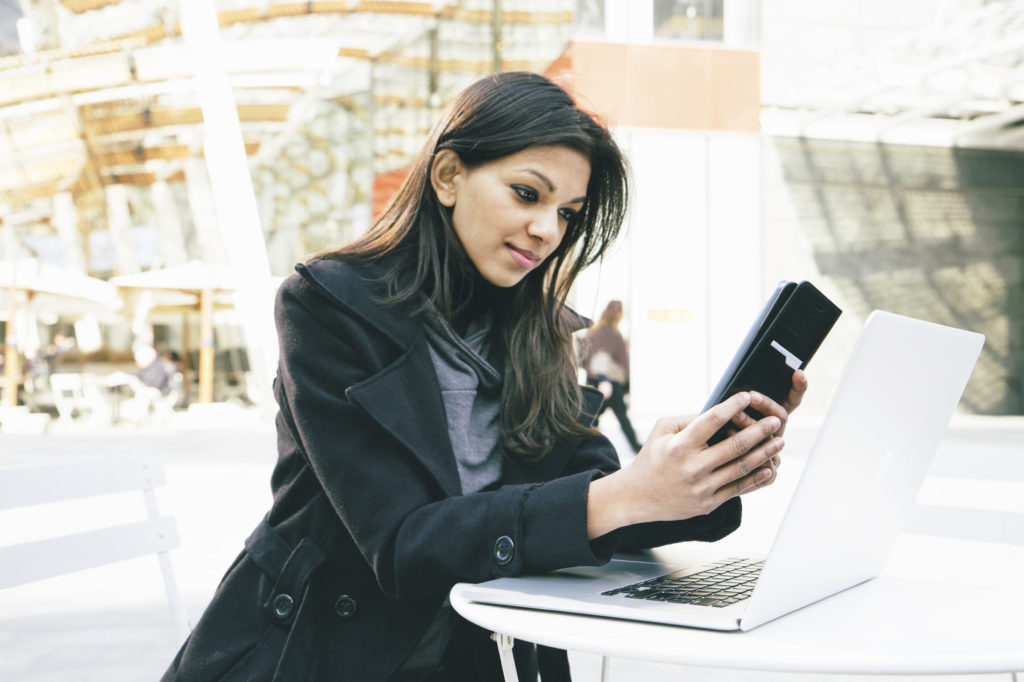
[[430, 429], [606, 361]]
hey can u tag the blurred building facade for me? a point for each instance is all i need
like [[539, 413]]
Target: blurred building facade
[[894, 159], [885, 166], [873, 148]]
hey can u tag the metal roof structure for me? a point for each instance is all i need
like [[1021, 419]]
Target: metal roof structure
[[110, 96], [121, 117], [947, 73]]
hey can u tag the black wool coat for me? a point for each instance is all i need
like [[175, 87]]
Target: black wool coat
[[369, 529]]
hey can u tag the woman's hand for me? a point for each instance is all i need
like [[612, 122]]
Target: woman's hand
[[767, 407], [678, 476]]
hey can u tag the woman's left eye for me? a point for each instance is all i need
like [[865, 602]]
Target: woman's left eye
[[568, 214], [525, 193]]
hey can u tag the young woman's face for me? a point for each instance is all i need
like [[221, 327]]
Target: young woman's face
[[511, 214]]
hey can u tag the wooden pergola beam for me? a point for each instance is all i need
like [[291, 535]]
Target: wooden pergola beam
[[140, 155], [266, 12], [160, 118]]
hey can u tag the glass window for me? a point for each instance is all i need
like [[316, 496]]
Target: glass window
[[589, 17], [688, 19]]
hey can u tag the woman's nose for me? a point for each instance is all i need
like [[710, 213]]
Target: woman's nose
[[545, 227]]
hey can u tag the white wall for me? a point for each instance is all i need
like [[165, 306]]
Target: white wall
[[689, 269]]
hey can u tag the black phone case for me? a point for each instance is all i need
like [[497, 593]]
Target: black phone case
[[784, 337]]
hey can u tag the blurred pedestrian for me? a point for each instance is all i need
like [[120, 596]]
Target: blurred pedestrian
[[606, 361]]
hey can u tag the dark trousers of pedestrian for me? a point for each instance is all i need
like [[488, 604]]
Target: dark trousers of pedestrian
[[617, 402]]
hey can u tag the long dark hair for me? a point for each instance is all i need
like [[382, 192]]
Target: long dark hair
[[495, 117]]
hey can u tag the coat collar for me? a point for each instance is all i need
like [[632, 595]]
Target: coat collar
[[363, 284], [390, 396], [358, 287]]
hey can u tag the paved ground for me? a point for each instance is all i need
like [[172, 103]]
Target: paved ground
[[112, 624]]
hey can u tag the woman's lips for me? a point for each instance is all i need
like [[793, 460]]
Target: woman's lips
[[525, 259]]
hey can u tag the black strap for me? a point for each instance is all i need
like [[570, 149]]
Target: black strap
[[268, 549], [289, 568]]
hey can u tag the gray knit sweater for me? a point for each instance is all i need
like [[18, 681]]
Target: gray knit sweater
[[471, 390]]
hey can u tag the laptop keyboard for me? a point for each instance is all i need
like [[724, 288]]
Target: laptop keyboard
[[719, 584]]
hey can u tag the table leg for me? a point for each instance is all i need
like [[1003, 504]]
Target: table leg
[[606, 669], [508, 663]]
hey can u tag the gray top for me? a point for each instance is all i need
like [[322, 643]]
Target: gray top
[[471, 390]]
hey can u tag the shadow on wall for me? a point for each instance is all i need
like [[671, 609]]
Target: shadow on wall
[[935, 233]]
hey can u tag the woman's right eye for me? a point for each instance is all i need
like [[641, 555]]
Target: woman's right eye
[[525, 193]]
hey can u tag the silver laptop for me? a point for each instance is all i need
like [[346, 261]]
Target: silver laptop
[[886, 419]]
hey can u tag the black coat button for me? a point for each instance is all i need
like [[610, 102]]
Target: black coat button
[[345, 606], [283, 605], [504, 549]]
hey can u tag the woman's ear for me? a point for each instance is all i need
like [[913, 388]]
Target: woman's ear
[[443, 172]]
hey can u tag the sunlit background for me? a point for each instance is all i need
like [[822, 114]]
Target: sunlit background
[[164, 165]]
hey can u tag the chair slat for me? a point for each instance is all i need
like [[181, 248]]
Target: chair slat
[[26, 486], [40, 559]]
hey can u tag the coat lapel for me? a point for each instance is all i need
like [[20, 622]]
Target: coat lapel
[[405, 400], [405, 397]]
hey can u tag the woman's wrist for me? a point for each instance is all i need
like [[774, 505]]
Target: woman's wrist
[[608, 507]]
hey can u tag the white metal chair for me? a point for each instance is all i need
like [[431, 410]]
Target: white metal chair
[[78, 397], [48, 557], [68, 395]]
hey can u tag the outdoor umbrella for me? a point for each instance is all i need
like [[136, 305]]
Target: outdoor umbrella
[[201, 281], [44, 286]]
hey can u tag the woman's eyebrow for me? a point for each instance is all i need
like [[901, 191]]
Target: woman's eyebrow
[[543, 178], [550, 185]]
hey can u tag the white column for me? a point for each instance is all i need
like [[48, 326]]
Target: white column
[[734, 246], [65, 219], [667, 292], [204, 215], [233, 196], [629, 21], [170, 241], [741, 23], [119, 223]]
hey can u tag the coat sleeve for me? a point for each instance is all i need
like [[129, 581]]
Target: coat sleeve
[[593, 454], [417, 538]]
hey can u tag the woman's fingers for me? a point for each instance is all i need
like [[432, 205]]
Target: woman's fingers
[[737, 448], [762, 465], [750, 459], [707, 424], [670, 425], [796, 393], [766, 406]]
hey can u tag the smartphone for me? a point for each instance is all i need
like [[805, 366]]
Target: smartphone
[[784, 337]]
